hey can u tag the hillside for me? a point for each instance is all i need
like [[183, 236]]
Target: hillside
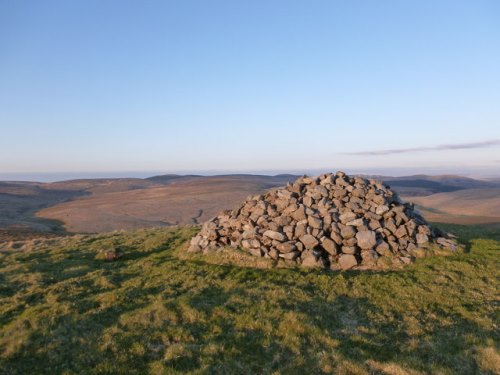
[[64, 310], [469, 206], [180, 201], [100, 205], [421, 185], [19, 203]]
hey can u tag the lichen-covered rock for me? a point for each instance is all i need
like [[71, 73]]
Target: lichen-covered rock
[[331, 221]]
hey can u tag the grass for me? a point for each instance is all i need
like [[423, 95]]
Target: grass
[[159, 311]]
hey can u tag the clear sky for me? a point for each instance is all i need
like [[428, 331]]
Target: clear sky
[[117, 86]]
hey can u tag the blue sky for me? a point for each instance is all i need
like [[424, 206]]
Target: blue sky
[[119, 86]]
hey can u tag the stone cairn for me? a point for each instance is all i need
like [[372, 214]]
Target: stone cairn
[[331, 221]]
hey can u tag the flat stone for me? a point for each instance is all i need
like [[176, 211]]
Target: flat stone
[[347, 232], [347, 217], [358, 193], [249, 233], [301, 229], [256, 252], [336, 237], [356, 223], [383, 249], [422, 238], [299, 214], [309, 241], [424, 229], [194, 249], [329, 246], [321, 190], [286, 247], [378, 199], [405, 260], [347, 261], [374, 224], [315, 222], [380, 210], [369, 257], [274, 254], [447, 244], [308, 201], [366, 239], [401, 232], [349, 249], [275, 235], [290, 256], [311, 261], [250, 244]]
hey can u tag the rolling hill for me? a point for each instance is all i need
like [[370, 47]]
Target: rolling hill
[[100, 205], [468, 206]]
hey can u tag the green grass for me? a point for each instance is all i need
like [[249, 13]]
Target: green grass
[[158, 311]]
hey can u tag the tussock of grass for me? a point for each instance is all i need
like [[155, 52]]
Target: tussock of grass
[[158, 311]]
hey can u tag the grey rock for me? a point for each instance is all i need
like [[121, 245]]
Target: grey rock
[[256, 252], [369, 258], [336, 237], [274, 254], [300, 213], [356, 223], [366, 239], [329, 246], [290, 256], [349, 250], [274, 235], [194, 249], [382, 209], [347, 217], [315, 222], [422, 238], [401, 232], [383, 249], [309, 241], [347, 232], [347, 261], [312, 261], [251, 244], [286, 247]]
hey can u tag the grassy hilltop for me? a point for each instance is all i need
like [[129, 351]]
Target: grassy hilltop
[[63, 310]]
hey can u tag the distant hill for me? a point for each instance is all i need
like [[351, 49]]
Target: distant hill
[[105, 204], [420, 185], [179, 200], [467, 206]]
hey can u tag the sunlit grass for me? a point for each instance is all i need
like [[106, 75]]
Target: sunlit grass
[[156, 310]]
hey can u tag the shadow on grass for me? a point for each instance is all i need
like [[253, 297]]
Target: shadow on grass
[[361, 339], [68, 344]]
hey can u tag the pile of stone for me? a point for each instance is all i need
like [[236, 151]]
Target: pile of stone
[[331, 221]]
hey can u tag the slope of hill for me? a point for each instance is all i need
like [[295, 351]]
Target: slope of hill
[[91, 205], [157, 310], [462, 206], [20, 201], [181, 201], [420, 185]]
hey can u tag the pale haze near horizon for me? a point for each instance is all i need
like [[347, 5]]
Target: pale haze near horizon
[[111, 87]]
